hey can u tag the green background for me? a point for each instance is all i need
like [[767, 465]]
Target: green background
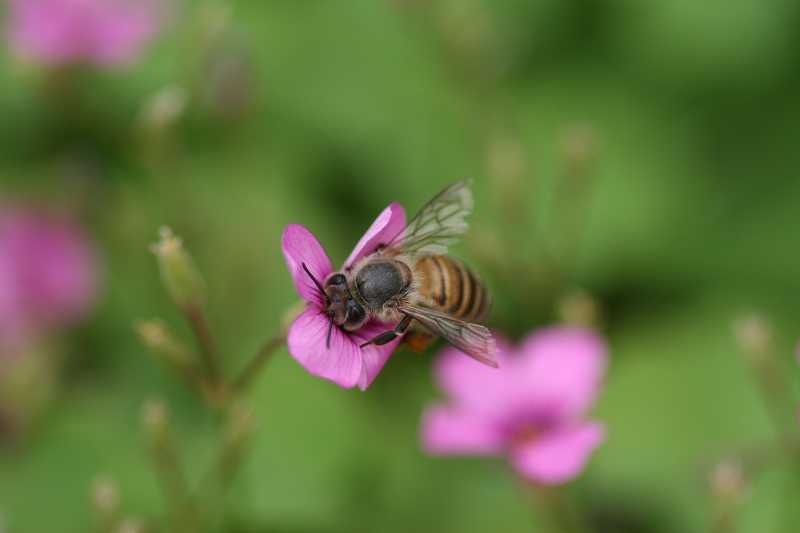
[[690, 219]]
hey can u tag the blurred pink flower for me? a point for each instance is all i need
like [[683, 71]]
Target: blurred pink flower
[[344, 363], [47, 274], [99, 32], [532, 409]]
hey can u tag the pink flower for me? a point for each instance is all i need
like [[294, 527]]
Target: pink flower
[[532, 409], [343, 362], [99, 32], [47, 274]]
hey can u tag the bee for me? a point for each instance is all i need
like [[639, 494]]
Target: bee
[[411, 282]]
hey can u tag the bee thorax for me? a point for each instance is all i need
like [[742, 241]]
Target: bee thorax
[[379, 281]]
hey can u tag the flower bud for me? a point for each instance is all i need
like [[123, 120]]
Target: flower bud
[[578, 146], [158, 337], [130, 525], [756, 340], [729, 489], [105, 496], [178, 273], [163, 109], [155, 420], [728, 481], [754, 335]]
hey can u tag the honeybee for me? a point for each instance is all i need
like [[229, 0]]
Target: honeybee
[[409, 281]]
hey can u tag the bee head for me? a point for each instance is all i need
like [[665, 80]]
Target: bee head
[[341, 306]]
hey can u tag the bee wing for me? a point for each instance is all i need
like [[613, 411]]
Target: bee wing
[[438, 224], [473, 339]]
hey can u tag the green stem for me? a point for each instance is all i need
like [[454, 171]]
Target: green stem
[[205, 342], [169, 471], [175, 487], [572, 199], [724, 521], [238, 428], [255, 365], [554, 508], [778, 399]]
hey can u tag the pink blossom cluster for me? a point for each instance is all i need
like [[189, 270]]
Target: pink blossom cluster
[[98, 32], [48, 274], [533, 409]]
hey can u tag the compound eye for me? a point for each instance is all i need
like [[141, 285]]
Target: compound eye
[[337, 279], [355, 313]]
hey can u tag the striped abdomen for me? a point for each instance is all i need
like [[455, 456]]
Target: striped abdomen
[[447, 285]]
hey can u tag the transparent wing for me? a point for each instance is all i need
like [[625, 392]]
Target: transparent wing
[[472, 339], [438, 224]]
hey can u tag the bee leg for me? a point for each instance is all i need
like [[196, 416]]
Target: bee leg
[[389, 336]]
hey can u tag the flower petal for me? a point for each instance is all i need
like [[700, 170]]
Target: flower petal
[[48, 272], [558, 456], [373, 357], [561, 370], [300, 246], [473, 385], [102, 32], [122, 29], [389, 223], [341, 363], [450, 431]]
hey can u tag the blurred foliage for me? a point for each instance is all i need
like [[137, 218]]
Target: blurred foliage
[[322, 113]]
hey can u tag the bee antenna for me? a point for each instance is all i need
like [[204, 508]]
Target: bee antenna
[[330, 329], [316, 282]]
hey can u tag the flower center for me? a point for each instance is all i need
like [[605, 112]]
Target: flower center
[[525, 434]]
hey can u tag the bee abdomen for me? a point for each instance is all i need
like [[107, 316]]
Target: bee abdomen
[[449, 286]]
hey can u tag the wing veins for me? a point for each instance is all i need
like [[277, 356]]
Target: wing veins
[[474, 340], [438, 222]]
